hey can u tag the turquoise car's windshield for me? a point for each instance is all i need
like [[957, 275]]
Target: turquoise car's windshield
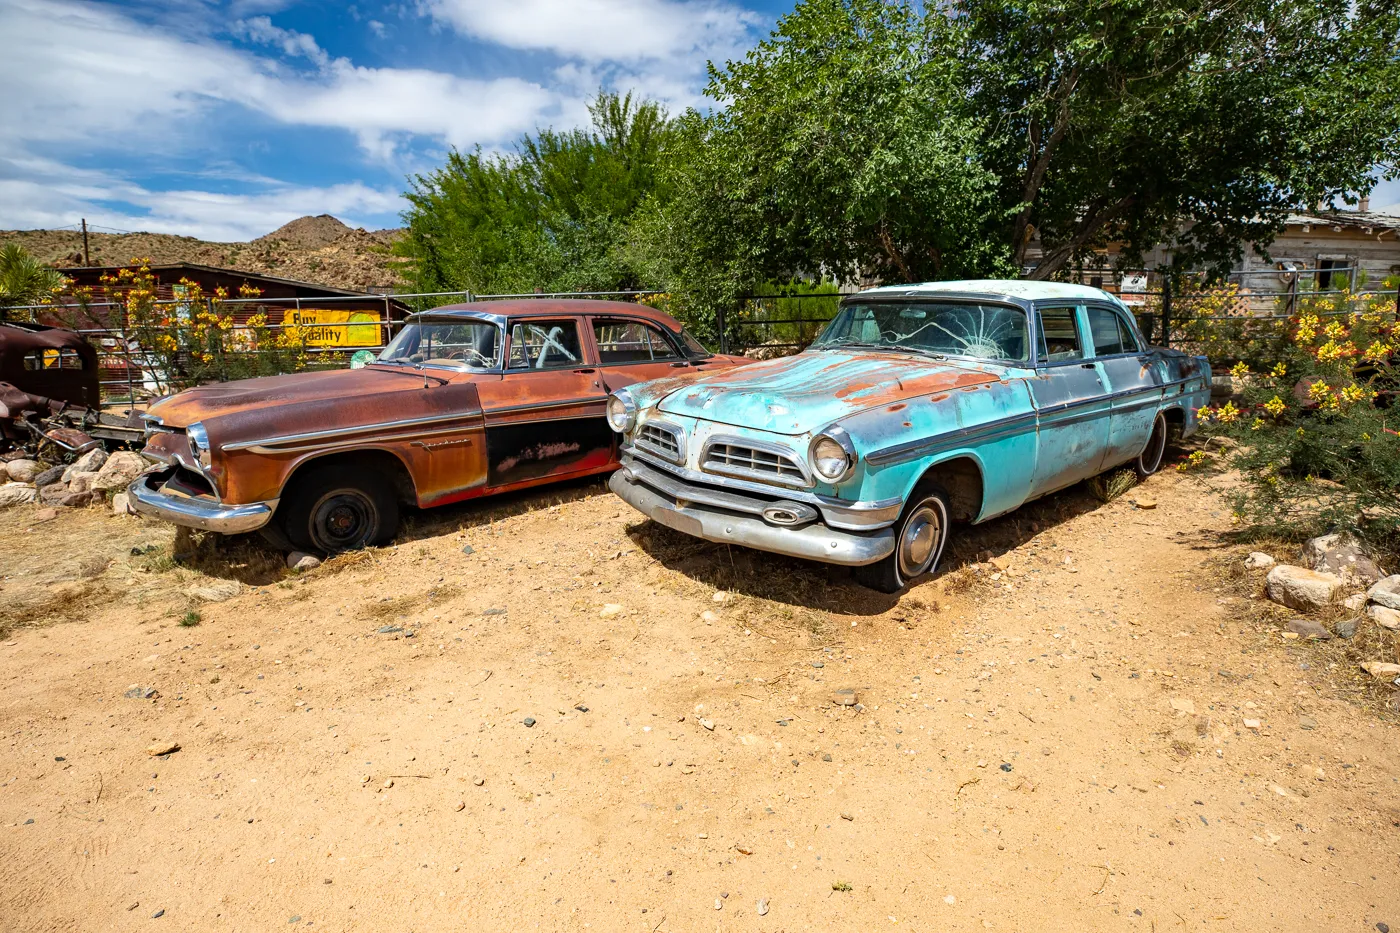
[[954, 328]]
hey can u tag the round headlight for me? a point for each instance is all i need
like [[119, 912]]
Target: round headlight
[[832, 456], [622, 411]]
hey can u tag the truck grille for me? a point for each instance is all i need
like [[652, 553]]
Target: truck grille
[[661, 440], [758, 463]]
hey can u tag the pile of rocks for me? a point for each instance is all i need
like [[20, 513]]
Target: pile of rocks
[[87, 480]]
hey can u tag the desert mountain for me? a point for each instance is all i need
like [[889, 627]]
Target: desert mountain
[[310, 249]]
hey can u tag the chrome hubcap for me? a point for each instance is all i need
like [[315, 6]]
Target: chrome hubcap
[[918, 545]]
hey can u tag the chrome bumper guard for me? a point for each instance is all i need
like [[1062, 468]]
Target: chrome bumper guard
[[196, 511], [728, 518]]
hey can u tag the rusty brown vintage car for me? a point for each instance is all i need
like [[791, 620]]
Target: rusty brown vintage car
[[467, 400]]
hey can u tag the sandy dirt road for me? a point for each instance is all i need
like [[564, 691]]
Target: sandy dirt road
[[1062, 747]]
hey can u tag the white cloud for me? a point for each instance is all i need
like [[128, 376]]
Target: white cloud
[[602, 30], [291, 42], [40, 193]]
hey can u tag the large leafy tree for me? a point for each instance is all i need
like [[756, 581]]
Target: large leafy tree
[[551, 216], [24, 280], [873, 138]]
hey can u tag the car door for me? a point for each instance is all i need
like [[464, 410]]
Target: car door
[[631, 350], [1134, 384], [545, 415], [1071, 400]]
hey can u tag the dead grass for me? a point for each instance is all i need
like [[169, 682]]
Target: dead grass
[[1109, 486], [404, 605]]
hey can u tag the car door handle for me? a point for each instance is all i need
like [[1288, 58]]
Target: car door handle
[[1086, 365], [583, 371], [679, 365]]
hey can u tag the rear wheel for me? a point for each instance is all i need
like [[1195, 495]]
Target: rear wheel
[[336, 509], [920, 536], [1150, 460]]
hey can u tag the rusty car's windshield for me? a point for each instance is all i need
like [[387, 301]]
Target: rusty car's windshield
[[946, 328], [459, 343]]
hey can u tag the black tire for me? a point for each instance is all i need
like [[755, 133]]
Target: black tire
[[334, 509], [1150, 460], [921, 534]]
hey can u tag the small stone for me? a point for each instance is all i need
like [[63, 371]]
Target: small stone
[[162, 748], [763, 907], [1251, 724], [461, 805], [949, 899], [479, 781], [581, 708], [388, 629], [21, 471], [826, 756], [720, 596], [819, 664], [1384, 616], [1145, 502], [609, 610], [1307, 723], [1307, 628], [719, 904], [1381, 670], [847, 817], [300, 560], [468, 549], [1299, 588], [1382, 926], [1345, 628], [121, 505], [158, 914], [708, 617], [294, 919], [708, 724], [1355, 602], [844, 697], [1183, 706], [494, 611], [45, 515], [1006, 766], [388, 783], [529, 722], [1258, 560], [1386, 592], [49, 477], [744, 850], [216, 592]]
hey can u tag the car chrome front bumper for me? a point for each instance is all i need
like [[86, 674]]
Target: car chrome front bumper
[[813, 541], [196, 511]]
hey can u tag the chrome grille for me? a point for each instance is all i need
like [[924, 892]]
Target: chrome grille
[[661, 440], [760, 463]]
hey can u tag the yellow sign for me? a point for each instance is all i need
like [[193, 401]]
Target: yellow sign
[[326, 327]]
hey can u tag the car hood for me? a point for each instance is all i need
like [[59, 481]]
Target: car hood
[[225, 398], [808, 392]]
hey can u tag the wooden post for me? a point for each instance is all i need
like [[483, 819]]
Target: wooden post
[[86, 261]]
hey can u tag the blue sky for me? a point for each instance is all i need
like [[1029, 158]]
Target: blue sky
[[224, 119]]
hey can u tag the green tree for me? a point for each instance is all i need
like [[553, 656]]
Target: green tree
[[24, 280], [550, 216], [874, 138]]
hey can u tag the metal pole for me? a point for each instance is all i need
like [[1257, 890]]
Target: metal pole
[[1167, 310], [86, 262]]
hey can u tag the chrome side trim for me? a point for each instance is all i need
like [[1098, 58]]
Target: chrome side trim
[[923, 447], [813, 542], [331, 433], [192, 512], [777, 450], [376, 439]]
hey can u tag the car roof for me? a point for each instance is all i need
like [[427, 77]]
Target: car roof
[[498, 311], [1020, 291]]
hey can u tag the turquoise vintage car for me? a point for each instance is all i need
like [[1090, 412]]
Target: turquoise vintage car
[[918, 406]]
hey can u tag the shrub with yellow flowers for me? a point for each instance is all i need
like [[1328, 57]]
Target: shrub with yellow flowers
[[1317, 425], [191, 339]]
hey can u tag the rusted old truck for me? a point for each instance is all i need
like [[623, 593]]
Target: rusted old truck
[[467, 400], [50, 391], [918, 406]]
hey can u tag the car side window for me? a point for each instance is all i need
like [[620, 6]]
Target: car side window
[[1106, 327], [631, 342], [545, 345], [1059, 335], [1125, 333]]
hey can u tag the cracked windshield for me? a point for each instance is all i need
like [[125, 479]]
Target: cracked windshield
[[460, 344], [982, 331]]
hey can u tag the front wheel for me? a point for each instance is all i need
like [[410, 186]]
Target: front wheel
[[1150, 460], [920, 536], [340, 509]]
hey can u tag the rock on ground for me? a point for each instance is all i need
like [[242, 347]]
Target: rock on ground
[[89, 462], [81, 480], [300, 560], [17, 494], [1384, 616], [22, 471], [1307, 628], [1258, 560], [50, 476], [120, 469], [1386, 592], [1342, 555], [1300, 588], [121, 504], [216, 592]]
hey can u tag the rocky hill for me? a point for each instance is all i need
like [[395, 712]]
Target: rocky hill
[[310, 249]]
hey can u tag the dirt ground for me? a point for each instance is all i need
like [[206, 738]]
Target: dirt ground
[[1056, 741]]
